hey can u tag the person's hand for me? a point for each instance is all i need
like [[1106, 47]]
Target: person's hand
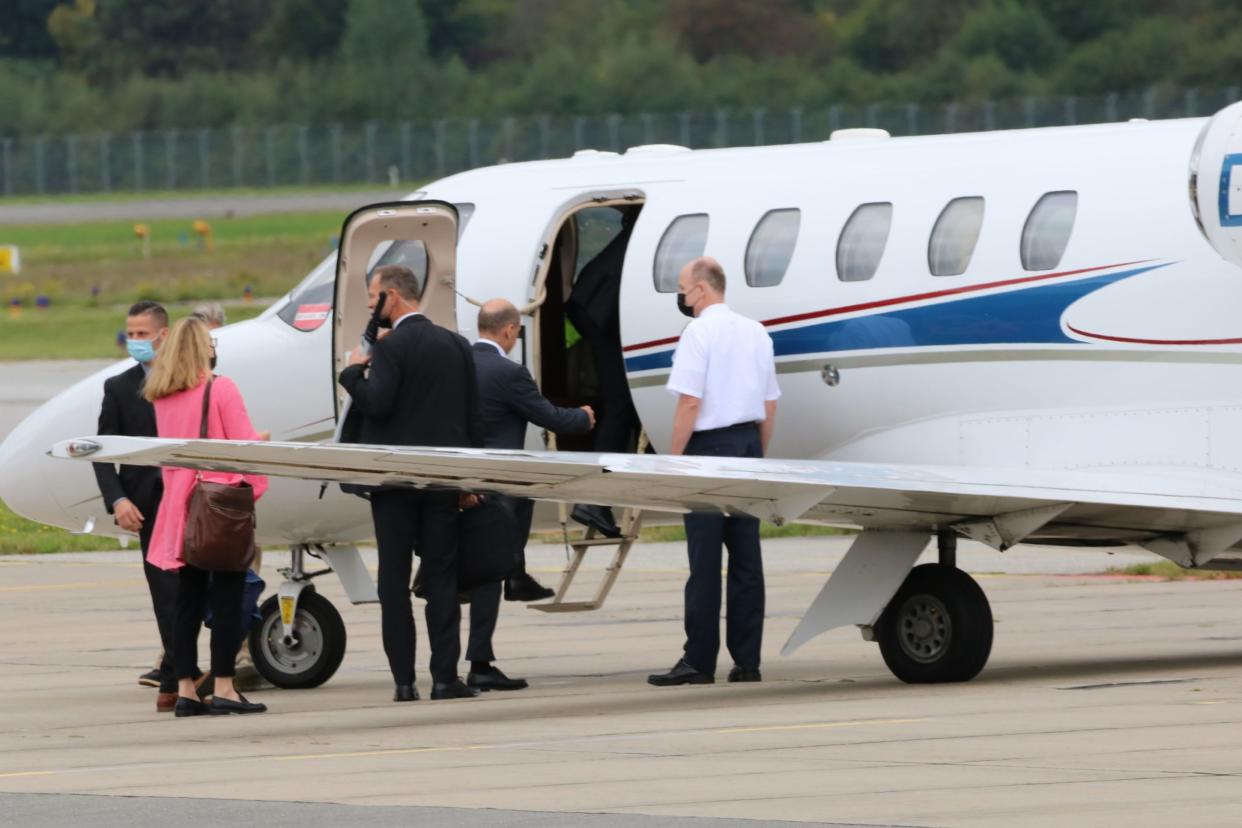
[[590, 412], [466, 500], [357, 357], [128, 517], [265, 435]]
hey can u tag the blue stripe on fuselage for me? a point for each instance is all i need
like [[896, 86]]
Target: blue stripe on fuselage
[[1030, 315]]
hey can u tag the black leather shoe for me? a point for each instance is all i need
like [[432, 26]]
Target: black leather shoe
[[739, 674], [599, 517], [189, 707], [220, 706], [454, 689], [493, 679], [682, 673], [525, 588], [151, 678], [405, 692]]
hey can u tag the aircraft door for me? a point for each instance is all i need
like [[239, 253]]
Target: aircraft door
[[419, 234]]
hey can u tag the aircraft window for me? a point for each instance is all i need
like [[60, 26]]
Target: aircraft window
[[311, 301], [1046, 233], [771, 247], [685, 239], [862, 241], [954, 237]]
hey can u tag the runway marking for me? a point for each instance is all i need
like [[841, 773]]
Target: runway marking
[[816, 725], [72, 586], [389, 752], [28, 773]]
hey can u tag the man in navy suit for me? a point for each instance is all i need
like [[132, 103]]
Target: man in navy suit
[[509, 399]]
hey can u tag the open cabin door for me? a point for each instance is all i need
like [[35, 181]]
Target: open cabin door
[[421, 235]]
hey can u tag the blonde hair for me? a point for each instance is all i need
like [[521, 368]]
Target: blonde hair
[[182, 363]]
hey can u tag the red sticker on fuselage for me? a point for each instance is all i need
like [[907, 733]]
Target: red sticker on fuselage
[[310, 317]]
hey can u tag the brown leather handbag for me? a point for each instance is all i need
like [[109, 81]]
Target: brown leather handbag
[[219, 522]]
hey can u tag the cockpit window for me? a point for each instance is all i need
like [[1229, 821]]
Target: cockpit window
[[310, 303]]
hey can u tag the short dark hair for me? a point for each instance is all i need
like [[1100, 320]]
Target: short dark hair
[[153, 309], [401, 279], [493, 321], [710, 271]]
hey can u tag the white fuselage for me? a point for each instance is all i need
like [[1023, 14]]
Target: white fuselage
[[1126, 353]]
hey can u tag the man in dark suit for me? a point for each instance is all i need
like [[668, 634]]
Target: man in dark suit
[[133, 494], [594, 309], [420, 391], [510, 399]]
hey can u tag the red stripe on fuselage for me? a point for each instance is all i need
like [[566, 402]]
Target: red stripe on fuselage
[[1135, 341], [901, 300]]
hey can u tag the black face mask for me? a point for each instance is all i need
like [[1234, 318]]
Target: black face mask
[[683, 307], [212, 362]]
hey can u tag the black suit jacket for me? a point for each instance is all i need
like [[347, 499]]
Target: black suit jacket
[[510, 400], [420, 391], [127, 413]]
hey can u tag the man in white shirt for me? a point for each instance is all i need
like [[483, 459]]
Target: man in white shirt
[[724, 376]]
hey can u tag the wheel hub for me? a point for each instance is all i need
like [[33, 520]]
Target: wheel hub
[[299, 653], [924, 628]]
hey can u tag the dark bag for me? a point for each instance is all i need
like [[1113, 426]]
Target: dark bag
[[487, 544], [219, 522]]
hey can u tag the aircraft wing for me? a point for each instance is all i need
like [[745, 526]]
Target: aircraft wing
[[1188, 515]]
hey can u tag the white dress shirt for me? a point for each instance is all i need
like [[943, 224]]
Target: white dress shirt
[[725, 360], [409, 315]]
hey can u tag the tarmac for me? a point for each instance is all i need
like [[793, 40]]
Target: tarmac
[[1108, 701]]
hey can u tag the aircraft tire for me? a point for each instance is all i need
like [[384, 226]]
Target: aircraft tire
[[314, 657], [937, 628]]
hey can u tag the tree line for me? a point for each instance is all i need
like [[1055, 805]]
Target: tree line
[[113, 65]]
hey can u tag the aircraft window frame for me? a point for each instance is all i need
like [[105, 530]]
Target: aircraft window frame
[[860, 241], [768, 257], [1046, 233], [959, 225], [663, 274]]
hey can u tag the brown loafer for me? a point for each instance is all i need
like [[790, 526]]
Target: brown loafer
[[165, 702]]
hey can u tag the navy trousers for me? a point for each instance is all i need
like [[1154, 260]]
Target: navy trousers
[[706, 533]]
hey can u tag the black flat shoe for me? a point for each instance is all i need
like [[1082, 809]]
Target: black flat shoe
[[493, 679], [525, 588], [405, 692], [599, 517], [682, 673], [220, 706], [189, 707], [454, 689], [151, 678], [742, 674]]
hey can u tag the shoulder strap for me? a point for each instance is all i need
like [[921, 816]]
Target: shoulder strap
[[202, 430]]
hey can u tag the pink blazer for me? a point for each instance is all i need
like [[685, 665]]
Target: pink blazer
[[179, 416]]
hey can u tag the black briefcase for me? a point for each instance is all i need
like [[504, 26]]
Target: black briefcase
[[487, 544]]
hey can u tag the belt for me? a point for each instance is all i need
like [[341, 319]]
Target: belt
[[747, 426]]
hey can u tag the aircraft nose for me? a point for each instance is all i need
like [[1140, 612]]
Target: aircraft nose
[[21, 487]]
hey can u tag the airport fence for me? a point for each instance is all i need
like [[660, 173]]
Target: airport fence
[[378, 152]]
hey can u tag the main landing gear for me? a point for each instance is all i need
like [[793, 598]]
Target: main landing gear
[[933, 623]]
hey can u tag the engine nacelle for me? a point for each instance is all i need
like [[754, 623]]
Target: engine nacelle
[[1216, 182]]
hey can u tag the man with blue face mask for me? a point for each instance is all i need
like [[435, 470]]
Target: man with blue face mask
[[132, 493]]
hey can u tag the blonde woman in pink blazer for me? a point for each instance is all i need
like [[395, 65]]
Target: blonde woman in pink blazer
[[176, 385]]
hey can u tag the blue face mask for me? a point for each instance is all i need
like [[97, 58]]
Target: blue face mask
[[142, 350]]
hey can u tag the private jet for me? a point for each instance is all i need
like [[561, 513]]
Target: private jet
[[1013, 337]]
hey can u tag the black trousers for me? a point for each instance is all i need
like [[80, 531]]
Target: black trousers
[[485, 600], [223, 592], [162, 585], [705, 534], [424, 522], [617, 421]]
